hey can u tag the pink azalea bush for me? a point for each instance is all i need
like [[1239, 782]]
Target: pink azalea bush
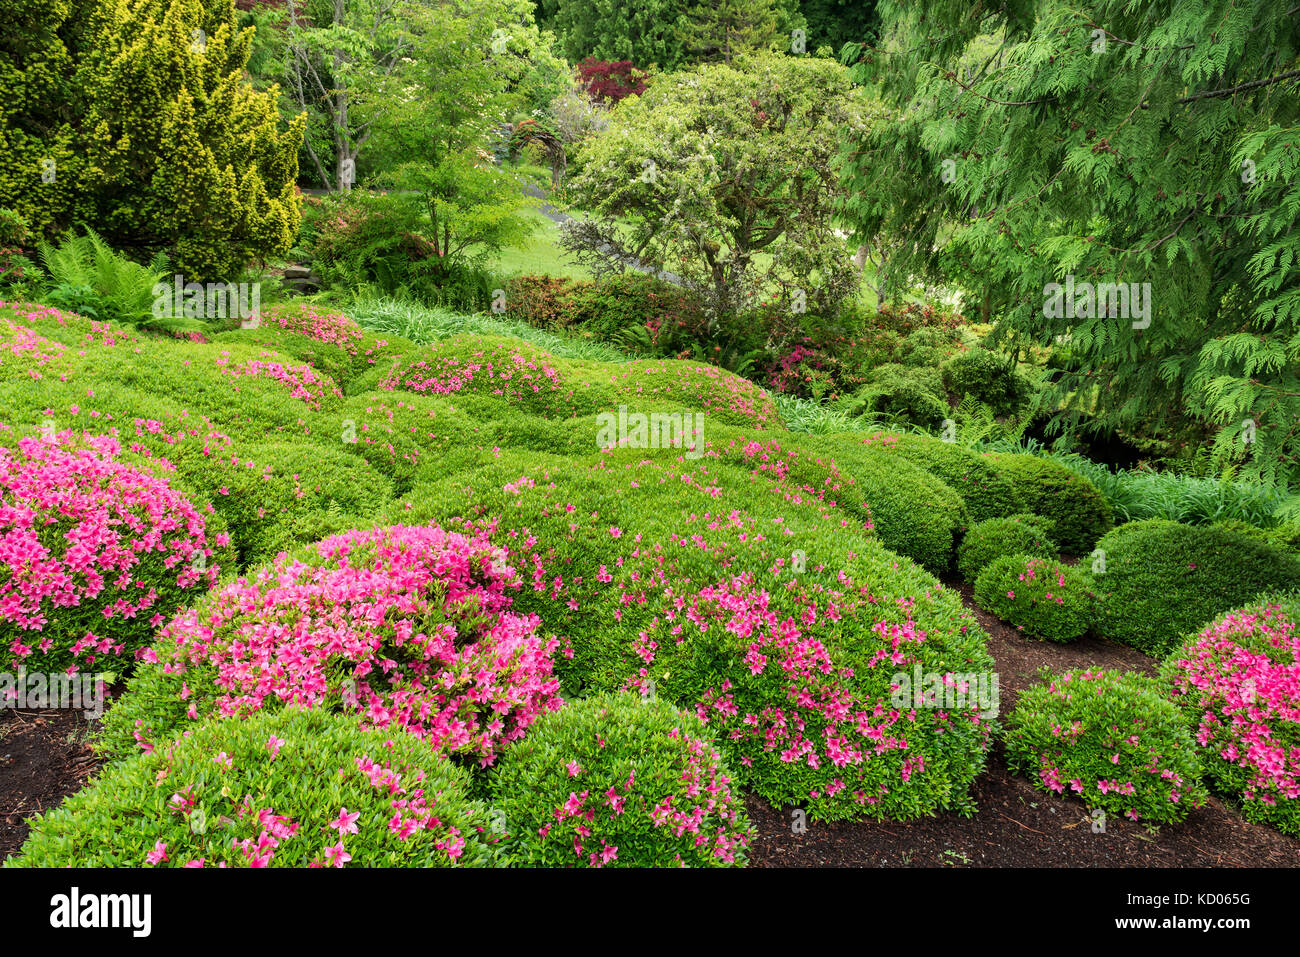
[[404, 626], [619, 780], [800, 689], [97, 552], [293, 788], [1110, 738], [1238, 682], [512, 372], [302, 381], [1040, 597]]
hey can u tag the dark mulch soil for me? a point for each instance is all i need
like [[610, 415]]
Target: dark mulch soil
[[1018, 825], [44, 758]]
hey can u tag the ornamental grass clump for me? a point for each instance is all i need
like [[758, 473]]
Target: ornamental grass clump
[[98, 551], [406, 627], [1238, 683], [619, 780], [1040, 597], [1113, 739], [294, 788]]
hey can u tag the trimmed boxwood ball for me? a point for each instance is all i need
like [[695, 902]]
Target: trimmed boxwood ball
[[1111, 738], [1022, 534], [1236, 682], [1163, 580], [914, 512], [985, 491], [619, 780], [1077, 510], [296, 788], [1042, 598]]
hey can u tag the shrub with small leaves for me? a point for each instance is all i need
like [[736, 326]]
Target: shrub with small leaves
[[1079, 513], [1022, 534], [1112, 739], [295, 788], [1042, 598], [97, 551], [1238, 683], [620, 779], [1164, 579]]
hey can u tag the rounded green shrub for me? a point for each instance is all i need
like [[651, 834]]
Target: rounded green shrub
[[1111, 738], [294, 788], [619, 779], [1077, 510], [1163, 580], [985, 491], [903, 394], [987, 378], [994, 538], [1040, 597], [1236, 682]]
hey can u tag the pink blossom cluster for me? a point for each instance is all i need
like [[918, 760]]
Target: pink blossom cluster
[[698, 386], [709, 811], [408, 625], [517, 376], [29, 349], [303, 381], [332, 328], [1243, 675], [81, 530]]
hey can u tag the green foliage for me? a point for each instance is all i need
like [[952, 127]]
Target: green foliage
[[995, 538], [914, 513], [713, 168], [902, 395], [988, 378], [1112, 738], [1162, 580], [1078, 513], [157, 141], [727, 29], [218, 793], [1041, 598], [626, 757], [985, 491], [1024, 148], [87, 277], [645, 33]]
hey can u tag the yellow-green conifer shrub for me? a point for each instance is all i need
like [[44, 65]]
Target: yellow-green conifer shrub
[[158, 141]]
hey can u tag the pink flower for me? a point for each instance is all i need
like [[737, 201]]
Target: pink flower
[[273, 745], [158, 854], [574, 769], [336, 855], [346, 823]]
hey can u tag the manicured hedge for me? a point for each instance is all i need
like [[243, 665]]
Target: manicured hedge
[[994, 538], [1040, 597], [985, 491], [1077, 510], [1163, 580]]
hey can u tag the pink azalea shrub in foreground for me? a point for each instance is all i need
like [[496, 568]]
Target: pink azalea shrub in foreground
[[406, 626], [95, 553], [1110, 738], [1238, 682], [290, 789], [619, 780]]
